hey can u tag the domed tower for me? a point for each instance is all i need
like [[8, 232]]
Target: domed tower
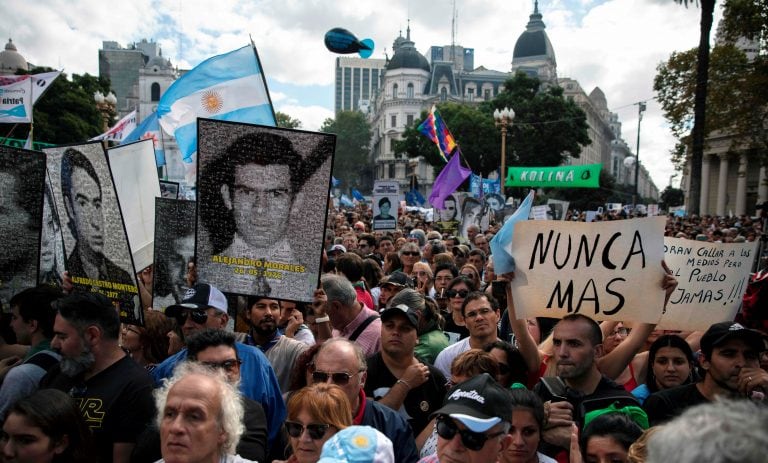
[[154, 79], [11, 60], [533, 52]]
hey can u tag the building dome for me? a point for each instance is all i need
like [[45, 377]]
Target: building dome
[[11, 60], [159, 62], [598, 98], [406, 56], [534, 41]]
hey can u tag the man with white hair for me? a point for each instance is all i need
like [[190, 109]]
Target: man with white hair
[[200, 417]]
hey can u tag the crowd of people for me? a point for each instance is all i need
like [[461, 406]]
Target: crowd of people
[[411, 350]]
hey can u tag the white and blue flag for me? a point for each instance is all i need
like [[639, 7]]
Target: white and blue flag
[[149, 129], [227, 87]]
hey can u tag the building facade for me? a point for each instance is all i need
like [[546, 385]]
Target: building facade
[[356, 82], [11, 60]]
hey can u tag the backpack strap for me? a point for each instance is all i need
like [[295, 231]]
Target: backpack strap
[[43, 360], [359, 330]]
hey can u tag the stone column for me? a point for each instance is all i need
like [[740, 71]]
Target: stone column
[[704, 195], [741, 186], [762, 187], [722, 185]]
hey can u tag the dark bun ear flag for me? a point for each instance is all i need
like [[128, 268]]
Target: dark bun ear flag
[[339, 40]]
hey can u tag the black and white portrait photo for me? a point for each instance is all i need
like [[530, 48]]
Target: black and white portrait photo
[[95, 242], [51, 242], [385, 200], [169, 190], [262, 202], [174, 250], [471, 214], [22, 180]]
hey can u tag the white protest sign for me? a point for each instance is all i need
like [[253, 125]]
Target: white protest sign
[[385, 202], [712, 278], [539, 212], [605, 270], [653, 209]]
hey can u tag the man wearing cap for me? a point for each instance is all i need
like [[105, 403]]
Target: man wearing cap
[[473, 423], [204, 306], [336, 249], [393, 284], [396, 378], [730, 357]]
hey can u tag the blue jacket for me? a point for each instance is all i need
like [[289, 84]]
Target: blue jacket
[[257, 382], [394, 426]]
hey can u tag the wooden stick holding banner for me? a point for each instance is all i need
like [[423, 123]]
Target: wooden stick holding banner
[[605, 270], [712, 280]]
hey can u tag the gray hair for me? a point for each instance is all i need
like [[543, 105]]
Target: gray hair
[[723, 431], [230, 417], [339, 289], [363, 365]]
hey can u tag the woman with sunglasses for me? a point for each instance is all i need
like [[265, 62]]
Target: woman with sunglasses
[[409, 255], [457, 291], [512, 368], [315, 413]]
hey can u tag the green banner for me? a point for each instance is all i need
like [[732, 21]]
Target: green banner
[[19, 143], [585, 176]]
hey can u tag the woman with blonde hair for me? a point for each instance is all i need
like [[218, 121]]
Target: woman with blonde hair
[[315, 414]]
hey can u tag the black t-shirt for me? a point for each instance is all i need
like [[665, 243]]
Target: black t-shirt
[[420, 402], [664, 405], [452, 327], [117, 403]]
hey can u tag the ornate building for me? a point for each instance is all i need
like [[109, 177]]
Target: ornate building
[[11, 60]]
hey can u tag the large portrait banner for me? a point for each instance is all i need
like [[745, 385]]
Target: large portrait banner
[[174, 250], [261, 207], [712, 279], [22, 180], [95, 240], [386, 196], [604, 270]]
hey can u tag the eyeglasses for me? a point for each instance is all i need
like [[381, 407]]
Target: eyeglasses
[[447, 429], [620, 331], [338, 378], [199, 316], [227, 365], [316, 431], [462, 293], [411, 253]]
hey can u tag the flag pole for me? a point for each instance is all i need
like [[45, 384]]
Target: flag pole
[[263, 78]]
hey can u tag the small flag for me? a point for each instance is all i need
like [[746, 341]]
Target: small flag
[[123, 127], [345, 201], [435, 129], [335, 182], [16, 101], [357, 195], [40, 82], [414, 197], [228, 87], [450, 178], [501, 244], [149, 129]]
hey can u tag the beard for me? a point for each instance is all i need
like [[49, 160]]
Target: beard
[[266, 329], [76, 365]]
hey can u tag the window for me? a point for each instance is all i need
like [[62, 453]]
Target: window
[[391, 170], [486, 94], [443, 94], [392, 145], [409, 90], [394, 121], [471, 94], [155, 92], [409, 120], [394, 91]]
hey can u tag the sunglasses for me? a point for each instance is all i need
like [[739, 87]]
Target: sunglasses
[[447, 429], [411, 253], [462, 294], [199, 316], [339, 378], [315, 431], [226, 365]]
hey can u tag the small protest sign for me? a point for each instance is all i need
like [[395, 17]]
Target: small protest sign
[[169, 190], [447, 218], [712, 278], [540, 212], [471, 214], [558, 209], [605, 270], [576, 176], [95, 243], [173, 251], [385, 200], [261, 208]]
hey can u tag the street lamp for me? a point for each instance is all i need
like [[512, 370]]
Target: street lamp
[[503, 120], [106, 105], [640, 110]]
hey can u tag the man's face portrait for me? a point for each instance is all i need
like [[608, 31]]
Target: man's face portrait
[[84, 209], [448, 212], [472, 214], [261, 201], [384, 209]]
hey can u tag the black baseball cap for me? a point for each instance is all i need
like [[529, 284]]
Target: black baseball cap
[[401, 309], [480, 403], [719, 333], [399, 279]]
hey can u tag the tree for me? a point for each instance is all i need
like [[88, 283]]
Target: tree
[[672, 197], [353, 136], [547, 128], [287, 122], [700, 102]]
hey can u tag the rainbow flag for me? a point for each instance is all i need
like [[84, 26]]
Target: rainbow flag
[[435, 129]]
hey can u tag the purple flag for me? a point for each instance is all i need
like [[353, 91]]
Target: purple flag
[[451, 177]]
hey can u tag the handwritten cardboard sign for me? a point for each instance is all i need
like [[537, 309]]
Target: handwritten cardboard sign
[[605, 270], [712, 278]]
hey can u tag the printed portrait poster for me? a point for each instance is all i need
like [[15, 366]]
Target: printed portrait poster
[[540, 212], [95, 242], [261, 208], [557, 209], [604, 270], [52, 258], [447, 218], [471, 214], [22, 180], [135, 175], [169, 189], [494, 207], [712, 279], [174, 249], [385, 201]]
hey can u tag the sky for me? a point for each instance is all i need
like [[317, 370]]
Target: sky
[[612, 44]]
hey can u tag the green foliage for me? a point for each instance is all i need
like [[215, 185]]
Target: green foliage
[[589, 199], [353, 135], [672, 197], [746, 18], [546, 129], [287, 122]]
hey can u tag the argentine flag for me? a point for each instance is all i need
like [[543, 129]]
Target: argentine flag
[[227, 87]]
